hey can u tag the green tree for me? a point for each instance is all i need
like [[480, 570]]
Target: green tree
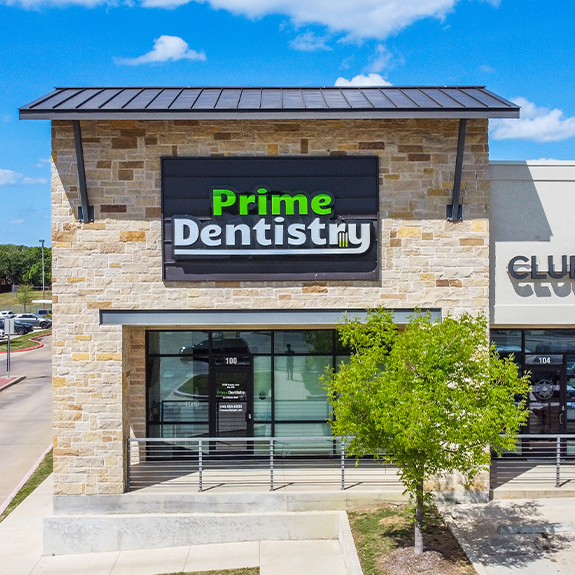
[[431, 399], [23, 264], [33, 275], [24, 295]]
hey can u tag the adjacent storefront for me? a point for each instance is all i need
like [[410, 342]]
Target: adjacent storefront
[[533, 275]]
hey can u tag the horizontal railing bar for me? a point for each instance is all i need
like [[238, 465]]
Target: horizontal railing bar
[[233, 439], [546, 436], [299, 439]]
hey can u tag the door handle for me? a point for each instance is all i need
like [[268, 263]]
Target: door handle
[[248, 415]]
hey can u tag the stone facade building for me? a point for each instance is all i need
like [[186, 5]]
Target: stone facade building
[[119, 323]]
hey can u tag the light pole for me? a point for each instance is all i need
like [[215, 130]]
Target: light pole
[[43, 281]]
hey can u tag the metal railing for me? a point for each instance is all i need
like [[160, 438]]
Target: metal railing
[[539, 459], [250, 462]]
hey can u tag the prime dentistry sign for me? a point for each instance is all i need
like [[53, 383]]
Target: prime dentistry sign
[[299, 225], [270, 218]]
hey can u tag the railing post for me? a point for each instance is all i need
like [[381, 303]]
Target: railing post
[[128, 464], [342, 464], [200, 462], [558, 464], [271, 464]]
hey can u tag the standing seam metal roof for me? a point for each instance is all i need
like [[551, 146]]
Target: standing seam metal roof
[[288, 103]]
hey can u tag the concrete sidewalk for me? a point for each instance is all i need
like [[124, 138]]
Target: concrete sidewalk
[[518, 537], [21, 552]]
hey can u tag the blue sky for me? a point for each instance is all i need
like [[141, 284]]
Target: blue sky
[[520, 49]]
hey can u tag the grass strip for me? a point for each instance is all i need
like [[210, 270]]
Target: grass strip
[[242, 571], [23, 341], [8, 301], [377, 532], [42, 472]]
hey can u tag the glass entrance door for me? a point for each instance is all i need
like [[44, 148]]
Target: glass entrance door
[[233, 402], [546, 399]]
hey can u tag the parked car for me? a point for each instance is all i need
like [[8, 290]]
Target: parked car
[[6, 313], [2, 334], [44, 312], [35, 320], [20, 327]]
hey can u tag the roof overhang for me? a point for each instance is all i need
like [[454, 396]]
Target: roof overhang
[[263, 115], [332, 103]]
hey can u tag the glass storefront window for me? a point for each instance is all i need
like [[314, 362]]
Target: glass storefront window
[[507, 340], [262, 389], [174, 342], [570, 395], [242, 342], [280, 371], [548, 355], [178, 391], [549, 341], [310, 341], [299, 393]]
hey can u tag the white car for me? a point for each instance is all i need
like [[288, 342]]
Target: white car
[[2, 334], [6, 313]]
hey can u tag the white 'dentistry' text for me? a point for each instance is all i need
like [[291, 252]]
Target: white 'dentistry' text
[[268, 236]]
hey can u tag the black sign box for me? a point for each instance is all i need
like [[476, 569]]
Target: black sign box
[[189, 183]]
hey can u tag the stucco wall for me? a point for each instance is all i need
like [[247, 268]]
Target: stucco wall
[[532, 215], [115, 262]]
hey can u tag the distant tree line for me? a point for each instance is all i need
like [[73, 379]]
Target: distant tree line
[[23, 265]]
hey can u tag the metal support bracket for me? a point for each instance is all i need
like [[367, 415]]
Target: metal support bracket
[[454, 211], [85, 211]]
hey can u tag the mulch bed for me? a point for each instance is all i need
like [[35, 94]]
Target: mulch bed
[[384, 542]]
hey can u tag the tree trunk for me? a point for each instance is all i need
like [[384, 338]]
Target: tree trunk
[[418, 547]]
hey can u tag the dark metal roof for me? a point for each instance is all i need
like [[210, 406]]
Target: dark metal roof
[[268, 103]]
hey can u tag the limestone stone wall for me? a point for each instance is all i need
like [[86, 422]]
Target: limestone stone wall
[[115, 262]]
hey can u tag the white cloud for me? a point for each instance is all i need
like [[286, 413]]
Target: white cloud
[[381, 59], [362, 80], [42, 162], [56, 3], [6, 118], [357, 18], [309, 42], [165, 48], [487, 69], [537, 124], [9, 177], [16, 222]]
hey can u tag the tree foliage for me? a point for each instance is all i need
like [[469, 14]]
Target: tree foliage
[[25, 295], [23, 265], [432, 399]]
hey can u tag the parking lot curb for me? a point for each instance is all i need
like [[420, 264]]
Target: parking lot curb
[[11, 383], [37, 338]]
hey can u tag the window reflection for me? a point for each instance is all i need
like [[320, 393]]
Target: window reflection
[[171, 342], [299, 341], [506, 340], [298, 388], [549, 340]]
